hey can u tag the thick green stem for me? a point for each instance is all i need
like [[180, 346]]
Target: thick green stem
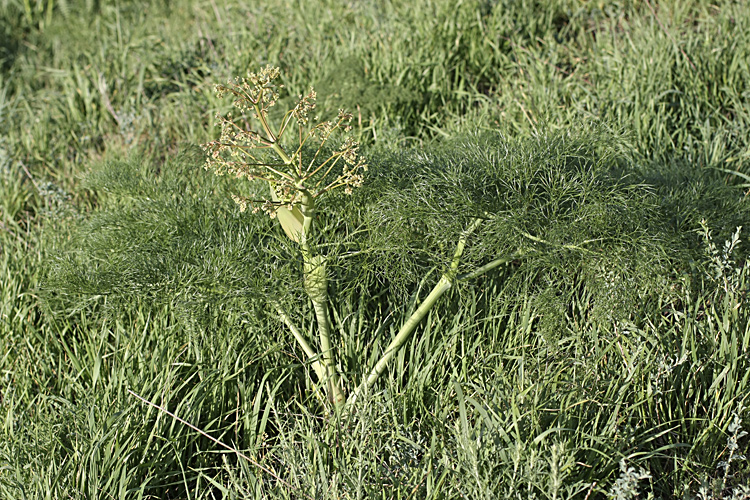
[[403, 335], [316, 280], [316, 286]]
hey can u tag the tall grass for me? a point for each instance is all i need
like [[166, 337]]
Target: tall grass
[[548, 385]]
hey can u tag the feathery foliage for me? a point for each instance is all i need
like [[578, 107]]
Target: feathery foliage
[[606, 141]]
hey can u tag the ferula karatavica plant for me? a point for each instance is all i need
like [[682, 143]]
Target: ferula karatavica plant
[[512, 207], [298, 176]]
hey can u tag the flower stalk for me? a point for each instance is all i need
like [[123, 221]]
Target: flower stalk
[[295, 185], [316, 286]]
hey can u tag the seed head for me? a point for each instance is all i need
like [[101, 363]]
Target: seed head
[[247, 152]]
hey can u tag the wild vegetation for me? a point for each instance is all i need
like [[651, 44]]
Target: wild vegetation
[[536, 289]]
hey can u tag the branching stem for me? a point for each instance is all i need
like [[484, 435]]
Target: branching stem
[[490, 266]]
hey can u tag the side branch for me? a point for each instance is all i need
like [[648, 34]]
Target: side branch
[[309, 351], [442, 286]]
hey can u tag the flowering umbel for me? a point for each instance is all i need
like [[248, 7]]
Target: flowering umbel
[[250, 147]]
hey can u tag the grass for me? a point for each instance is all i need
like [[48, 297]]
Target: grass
[[558, 378]]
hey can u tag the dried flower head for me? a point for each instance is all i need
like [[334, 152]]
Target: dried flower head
[[304, 106], [260, 152]]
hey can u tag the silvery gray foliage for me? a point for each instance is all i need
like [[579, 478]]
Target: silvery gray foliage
[[626, 485], [736, 433]]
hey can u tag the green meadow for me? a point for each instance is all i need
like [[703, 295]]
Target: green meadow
[[537, 289]]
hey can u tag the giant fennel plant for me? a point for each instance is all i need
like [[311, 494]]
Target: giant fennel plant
[[303, 160], [546, 219], [296, 184]]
